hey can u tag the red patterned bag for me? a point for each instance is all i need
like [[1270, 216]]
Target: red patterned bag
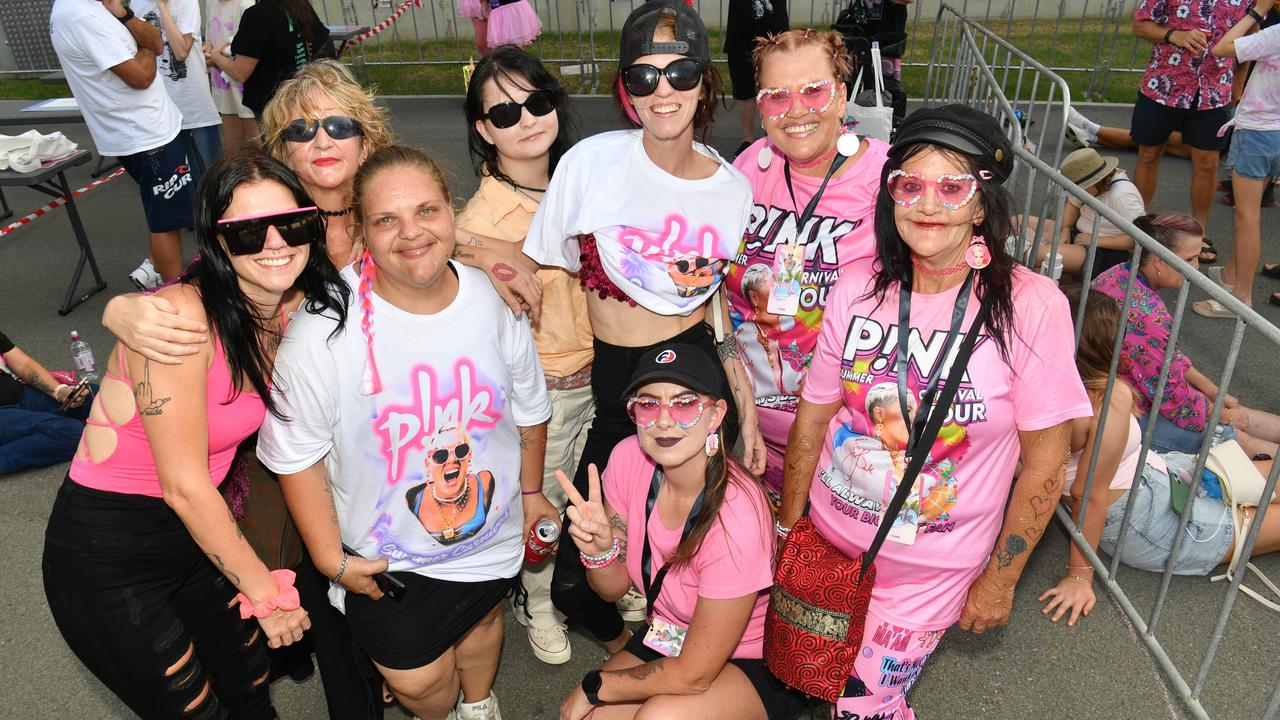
[[818, 604]]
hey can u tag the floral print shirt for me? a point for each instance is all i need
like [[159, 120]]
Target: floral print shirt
[[1145, 340], [1175, 76]]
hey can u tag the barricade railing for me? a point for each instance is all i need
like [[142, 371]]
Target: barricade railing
[[966, 63]]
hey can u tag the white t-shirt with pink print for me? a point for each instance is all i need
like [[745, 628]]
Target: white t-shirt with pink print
[[959, 498], [1259, 109]]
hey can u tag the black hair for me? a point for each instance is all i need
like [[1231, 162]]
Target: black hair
[[240, 327], [994, 283], [517, 67], [301, 12]]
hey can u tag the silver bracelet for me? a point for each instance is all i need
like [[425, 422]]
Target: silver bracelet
[[342, 568], [783, 532]]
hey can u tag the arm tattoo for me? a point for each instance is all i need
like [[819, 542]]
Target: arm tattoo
[[460, 254], [640, 672], [617, 523], [239, 532], [1014, 545], [222, 567], [728, 348], [36, 383], [148, 403], [526, 437], [333, 505]]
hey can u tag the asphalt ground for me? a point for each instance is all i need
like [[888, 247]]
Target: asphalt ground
[[1031, 668]]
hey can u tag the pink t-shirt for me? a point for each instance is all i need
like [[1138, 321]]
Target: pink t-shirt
[[1260, 107], [735, 558], [776, 349], [960, 495]]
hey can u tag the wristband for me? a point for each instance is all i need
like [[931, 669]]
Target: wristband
[[595, 562], [128, 15], [1254, 14], [58, 390], [1167, 35], [782, 531], [286, 598], [342, 568], [531, 492]]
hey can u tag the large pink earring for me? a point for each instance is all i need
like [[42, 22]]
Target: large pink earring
[[978, 255], [713, 443]]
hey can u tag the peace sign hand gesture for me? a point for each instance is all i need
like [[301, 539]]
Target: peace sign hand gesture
[[589, 526]]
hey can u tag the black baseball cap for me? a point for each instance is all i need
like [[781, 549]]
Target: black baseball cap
[[960, 128], [637, 33], [680, 363]]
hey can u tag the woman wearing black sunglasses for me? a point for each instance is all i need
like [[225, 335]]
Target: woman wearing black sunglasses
[[143, 562], [634, 212]]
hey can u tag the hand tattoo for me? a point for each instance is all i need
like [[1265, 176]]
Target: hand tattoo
[[144, 394], [504, 272], [1014, 545]]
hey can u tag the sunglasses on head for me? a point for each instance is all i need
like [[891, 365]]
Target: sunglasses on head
[[506, 114], [248, 235], [685, 410], [815, 97], [641, 79], [338, 127], [460, 451], [952, 191]]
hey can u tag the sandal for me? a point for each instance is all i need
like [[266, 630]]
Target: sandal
[[1211, 309], [1215, 273], [1271, 270], [1208, 253], [1274, 299]]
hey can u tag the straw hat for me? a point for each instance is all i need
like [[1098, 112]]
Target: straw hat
[[1086, 168]]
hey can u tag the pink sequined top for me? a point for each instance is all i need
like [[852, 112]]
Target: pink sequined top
[[592, 274]]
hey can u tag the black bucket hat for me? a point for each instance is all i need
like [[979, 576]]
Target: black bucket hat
[[960, 128], [637, 33]]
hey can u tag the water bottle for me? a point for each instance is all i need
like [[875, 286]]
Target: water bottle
[[1218, 432], [1056, 271], [82, 357]]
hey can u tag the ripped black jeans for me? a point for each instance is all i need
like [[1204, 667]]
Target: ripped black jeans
[[144, 609]]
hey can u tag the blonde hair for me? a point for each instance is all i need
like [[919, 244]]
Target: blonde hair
[[828, 40], [296, 97]]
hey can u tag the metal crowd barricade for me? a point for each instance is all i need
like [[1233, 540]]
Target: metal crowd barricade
[[972, 66]]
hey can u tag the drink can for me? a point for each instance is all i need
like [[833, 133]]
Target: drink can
[[542, 538]]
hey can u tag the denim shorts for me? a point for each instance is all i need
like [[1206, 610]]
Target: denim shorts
[[1255, 153], [1154, 523], [1168, 437]]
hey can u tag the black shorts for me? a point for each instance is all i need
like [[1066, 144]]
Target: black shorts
[[742, 76], [779, 700], [166, 183], [432, 616], [1153, 123]]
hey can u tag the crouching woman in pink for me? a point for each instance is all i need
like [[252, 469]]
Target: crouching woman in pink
[[689, 526], [954, 553]]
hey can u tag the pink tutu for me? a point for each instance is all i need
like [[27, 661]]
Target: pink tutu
[[513, 23], [470, 8]]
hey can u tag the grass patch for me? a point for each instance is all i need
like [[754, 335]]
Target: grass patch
[[401, 67]]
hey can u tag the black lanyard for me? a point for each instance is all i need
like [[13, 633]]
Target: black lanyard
[[900, 366], [809, 209], [651, 589]]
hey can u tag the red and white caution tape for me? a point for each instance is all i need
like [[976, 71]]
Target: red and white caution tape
[[59, 201], [391, 19]]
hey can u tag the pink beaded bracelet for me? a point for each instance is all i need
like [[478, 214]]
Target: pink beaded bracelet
[[595, 562]]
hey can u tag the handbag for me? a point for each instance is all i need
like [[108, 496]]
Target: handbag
[[818, 604], [1242, 486], [871, 121]]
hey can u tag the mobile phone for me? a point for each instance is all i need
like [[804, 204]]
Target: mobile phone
[[389, 586], [76, 390]]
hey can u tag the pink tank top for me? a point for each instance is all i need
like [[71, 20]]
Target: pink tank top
[[131, 469], [1123, 479]]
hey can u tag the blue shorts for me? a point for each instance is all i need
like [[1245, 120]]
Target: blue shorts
[[1255, 153], [1154, 524], [1168, 437], [166, 184]]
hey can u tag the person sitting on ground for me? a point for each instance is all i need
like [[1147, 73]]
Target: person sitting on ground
[[1255, 154], [1102, 178], [1184, 409], [40, 421], [707, 584], [1210, 531]]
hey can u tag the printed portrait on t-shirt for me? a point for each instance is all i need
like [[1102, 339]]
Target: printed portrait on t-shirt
[[869, 440], [771, 364], [454, 501], [682, 263]]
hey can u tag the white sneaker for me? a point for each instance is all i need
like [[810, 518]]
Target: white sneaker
[[551, 646], [145, 276], [486, 709], [632, 606], [1075, 117], [1078, 136]]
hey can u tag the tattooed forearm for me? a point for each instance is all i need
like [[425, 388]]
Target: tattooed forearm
[[528, 435], [728, 348], [239, 532], [222, 567], [640, 672], [1014, 545], [333, 505], [617, 523], [144, 394], [35, 381]]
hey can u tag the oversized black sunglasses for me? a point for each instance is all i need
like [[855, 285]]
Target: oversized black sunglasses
[[248, 235], [506, 114], [642, 79], [338, 127], [460, 451]]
